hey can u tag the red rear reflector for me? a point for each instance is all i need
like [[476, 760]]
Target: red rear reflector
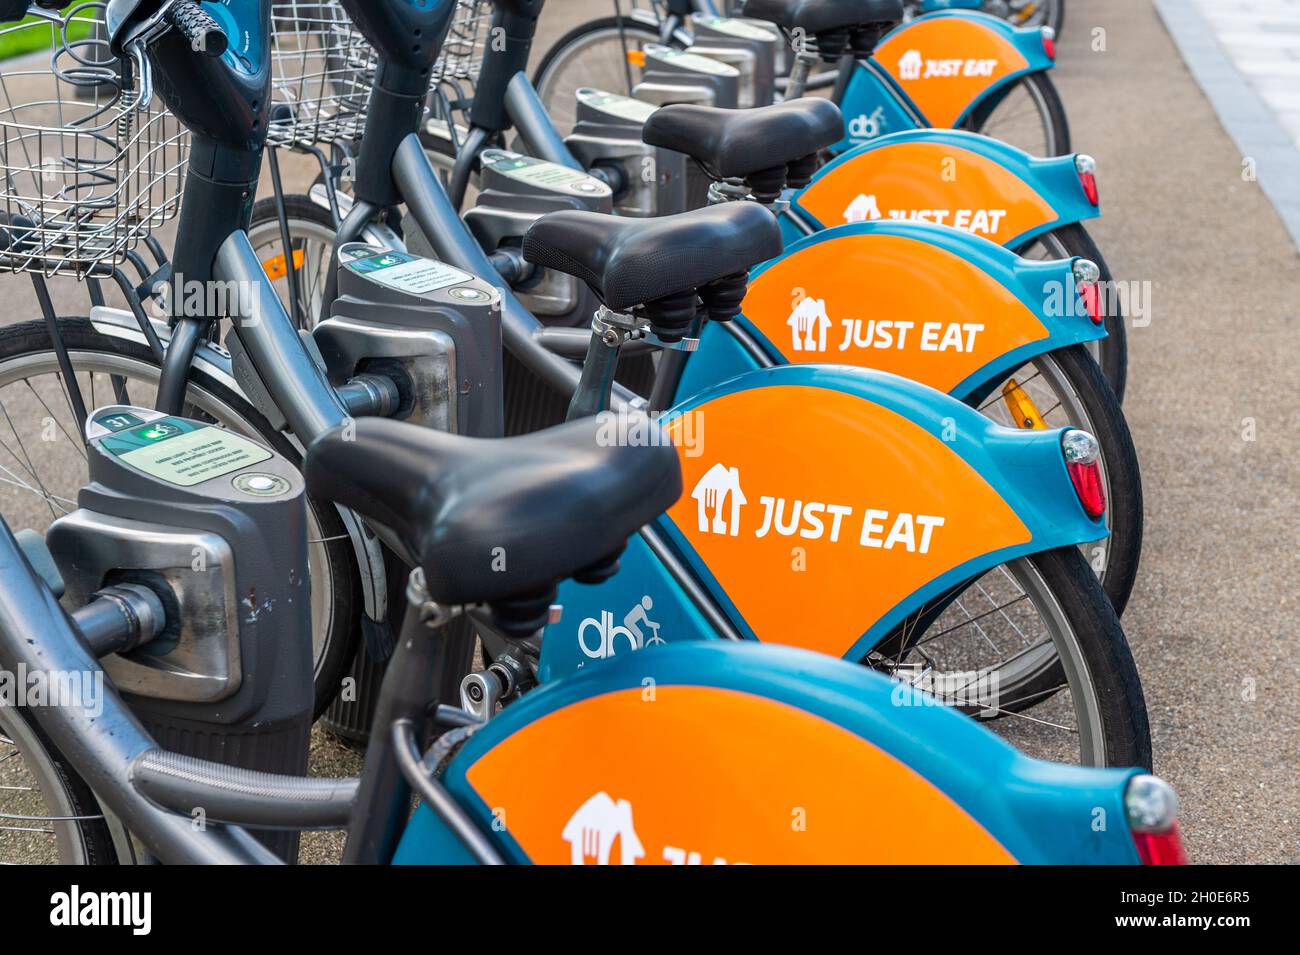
[[1082, 455], [1089, 181], [1151, 808], [1092, 301], [1161, 848], [1087, 278], [1087, 484], [1049, 46], [1086, 166]]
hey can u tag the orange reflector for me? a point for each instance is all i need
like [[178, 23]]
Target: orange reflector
[[1023, 410], [636, 58], [274, 266], [1027, 11]]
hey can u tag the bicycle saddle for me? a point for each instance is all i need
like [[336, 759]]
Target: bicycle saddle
[[823, 16], [661, 263], [748, 143], [497, 520]]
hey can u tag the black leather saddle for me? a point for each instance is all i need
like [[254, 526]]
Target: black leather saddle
[[662, 263], [750, 143], [821, 16], [840, 26], [499, 521]]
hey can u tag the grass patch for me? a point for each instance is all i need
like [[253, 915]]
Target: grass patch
[[18, 39]]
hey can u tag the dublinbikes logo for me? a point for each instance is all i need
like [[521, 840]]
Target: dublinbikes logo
[[82, 690], [809, 323], [913, 66], [600, 639], [867, 125], [720, 511], [637, 429], [603, 822]]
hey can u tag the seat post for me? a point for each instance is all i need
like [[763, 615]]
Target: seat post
[[409, 692], [799, 73], [609, 331], [597, 382]]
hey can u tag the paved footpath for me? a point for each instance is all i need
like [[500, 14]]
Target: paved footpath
[[1214, 408]]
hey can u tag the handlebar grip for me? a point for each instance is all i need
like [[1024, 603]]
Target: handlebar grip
[[197, 26]]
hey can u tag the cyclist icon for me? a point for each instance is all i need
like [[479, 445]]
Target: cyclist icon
[[638, 617]]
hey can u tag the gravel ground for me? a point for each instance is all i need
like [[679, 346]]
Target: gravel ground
[[1214, 407]]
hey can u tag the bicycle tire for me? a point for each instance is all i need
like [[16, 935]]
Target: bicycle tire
[[1051, 110], [339, 646], [1112, 351], [543, 79], [1105, 649], [92, 834]]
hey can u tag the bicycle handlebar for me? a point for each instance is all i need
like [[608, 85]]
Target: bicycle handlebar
[[11, 11], [198, 26]]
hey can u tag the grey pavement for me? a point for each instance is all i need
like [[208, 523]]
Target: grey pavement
[[1214, 406]]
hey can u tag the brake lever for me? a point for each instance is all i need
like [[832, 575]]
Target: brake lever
[[139, 56]]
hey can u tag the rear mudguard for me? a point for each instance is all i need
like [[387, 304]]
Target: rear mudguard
[[935, 71], [950, 310], [668, 758], [823, 505], [948, 177]]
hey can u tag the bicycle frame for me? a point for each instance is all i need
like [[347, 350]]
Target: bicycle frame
[[1001, 189], [939, 70], [896, 741], [630, 773], [858, 397]]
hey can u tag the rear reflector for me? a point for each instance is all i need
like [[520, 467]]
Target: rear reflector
[[1088, 279], [1082, 461], [1087, 169], [1049, 43], [1152, 809]]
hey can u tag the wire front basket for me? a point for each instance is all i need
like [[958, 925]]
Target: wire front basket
[[323, 71], [456, 72], [87, 172]]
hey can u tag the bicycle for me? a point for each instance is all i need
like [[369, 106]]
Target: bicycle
[[566, 772], [1023, 13], [392, 167], [87, 181], [863, 92], [1058, 385], [596, 55]]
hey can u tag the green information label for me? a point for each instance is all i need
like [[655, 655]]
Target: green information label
[[624, 107], [189, 457]]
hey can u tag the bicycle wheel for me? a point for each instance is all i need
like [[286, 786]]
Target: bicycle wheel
[[1037, 632], [1027, 114], [312, 232], [1032, 13], [1022, 13], [1066, 388], [43, 463], [1111, 352], [48, 815], [591, 54]]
